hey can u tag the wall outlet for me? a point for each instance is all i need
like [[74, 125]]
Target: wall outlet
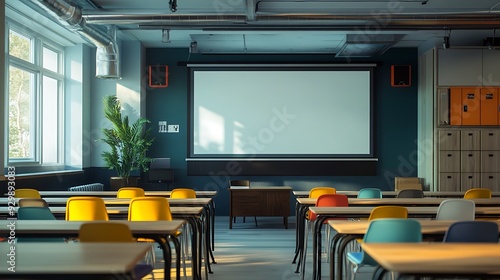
[[162, 126], [173, 128]]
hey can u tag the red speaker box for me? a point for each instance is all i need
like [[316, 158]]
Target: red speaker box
[[401, 75]]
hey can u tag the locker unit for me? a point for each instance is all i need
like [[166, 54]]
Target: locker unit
[[489, 106], [471, 106], [468, 158], [455, 106]]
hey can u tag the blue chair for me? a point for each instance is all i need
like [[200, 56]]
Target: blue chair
[[370, 193], [385, 230], [36, 213], [472, 231]]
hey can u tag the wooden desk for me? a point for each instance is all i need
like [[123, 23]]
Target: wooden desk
[[156, 230], [346, 231], [260, 201], [431, 201], [387, 194], [443, 260], [74, 260]]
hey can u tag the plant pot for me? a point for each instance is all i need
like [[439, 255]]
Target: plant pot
[[120, 182]]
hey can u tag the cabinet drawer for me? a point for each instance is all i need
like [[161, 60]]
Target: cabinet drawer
[[490, 181], [490, 140], [470, 161], [490, 161], [470, 140], [449, 181], [469, 181], [449, 140], [449, 161]]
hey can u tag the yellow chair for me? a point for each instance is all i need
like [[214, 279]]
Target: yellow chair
[[151, 208], [317, 191], [130, 192], [388, 212], [27, 193], [112, 232], [183, 193], [86, 208], [477, 193]]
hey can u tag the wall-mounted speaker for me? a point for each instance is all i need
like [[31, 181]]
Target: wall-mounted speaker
[[158, 76], [401, 75]]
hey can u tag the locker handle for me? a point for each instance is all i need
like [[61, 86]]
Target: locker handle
[[490, 177], [449, 177], [449, 155], [470, 134], [491, 134], [449, 134], [470, 155], [465, 108], [470, 177], [490, 155]]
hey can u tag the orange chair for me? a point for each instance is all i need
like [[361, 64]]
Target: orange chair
[[130, 192], [86, 208], [27, 193], [325, 200], [477, 193]]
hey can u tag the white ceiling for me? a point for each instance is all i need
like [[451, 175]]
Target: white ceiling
[[277, 26]]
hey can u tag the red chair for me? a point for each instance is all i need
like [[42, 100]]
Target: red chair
[[324, 200]]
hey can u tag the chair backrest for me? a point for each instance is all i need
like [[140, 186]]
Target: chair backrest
[[477, 193], [472, 231], [318, 191], [389, 231], [183, 193], [149, 209], [130, 192], [86, 208], [370, 193], [245, 183], [410, 193], [330, 200], [34, 213], [456, 209], [27, 193], [105, 232], [388, 211], [32, 202]]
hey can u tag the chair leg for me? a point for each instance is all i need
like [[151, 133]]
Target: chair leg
[[255, 218], [244, 220], [304, 253]]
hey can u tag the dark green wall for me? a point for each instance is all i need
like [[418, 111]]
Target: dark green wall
[[396, 122]]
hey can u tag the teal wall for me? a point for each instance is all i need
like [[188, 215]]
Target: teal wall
[[396, 122]]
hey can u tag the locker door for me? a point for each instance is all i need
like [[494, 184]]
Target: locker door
[[471, 106], [455, 106], [489, 104]]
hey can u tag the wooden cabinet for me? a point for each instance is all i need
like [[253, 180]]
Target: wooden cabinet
[[259, 201], [468, 158]]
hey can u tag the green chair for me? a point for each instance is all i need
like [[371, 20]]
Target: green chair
[[385, 230], [370, 193], [36, 213]]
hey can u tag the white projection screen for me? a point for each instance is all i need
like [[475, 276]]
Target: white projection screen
[[298, 112]]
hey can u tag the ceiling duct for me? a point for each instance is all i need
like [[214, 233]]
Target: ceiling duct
[[366, 45], [107, 59]]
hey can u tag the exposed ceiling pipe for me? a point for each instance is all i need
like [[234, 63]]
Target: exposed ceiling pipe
[[107, 58]]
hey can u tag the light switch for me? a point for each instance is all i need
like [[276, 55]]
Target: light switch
[[173, 128]]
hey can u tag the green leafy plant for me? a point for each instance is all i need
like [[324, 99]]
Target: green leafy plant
[[128, 142]]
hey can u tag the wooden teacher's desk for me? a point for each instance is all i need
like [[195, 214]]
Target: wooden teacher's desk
[[443, 260], [74, 260], [259, 201]]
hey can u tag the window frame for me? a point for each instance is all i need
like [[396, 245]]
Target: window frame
[[35, 163]]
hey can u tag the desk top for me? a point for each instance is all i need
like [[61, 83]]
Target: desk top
[[73, 258], [121, 201], [71, 228], [387, 194], [261, 188], [360, 227], [437, 258], [401, 201], [117, 210], [113, 193], [412, 210]]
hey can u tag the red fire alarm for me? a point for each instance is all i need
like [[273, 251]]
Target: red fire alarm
[[158, 76]]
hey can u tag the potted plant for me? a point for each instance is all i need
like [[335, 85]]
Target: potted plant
[[128, 142]]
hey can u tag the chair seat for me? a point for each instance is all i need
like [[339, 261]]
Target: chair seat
[[142, 270], [355, 257]]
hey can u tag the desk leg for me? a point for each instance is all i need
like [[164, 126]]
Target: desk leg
[[333, 248], [300, 232], [212, 205], [340, 254], [167, 255], [230, 221], [210, 233], [317, 246]]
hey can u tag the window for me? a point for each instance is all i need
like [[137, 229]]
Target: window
[[35, 101]]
